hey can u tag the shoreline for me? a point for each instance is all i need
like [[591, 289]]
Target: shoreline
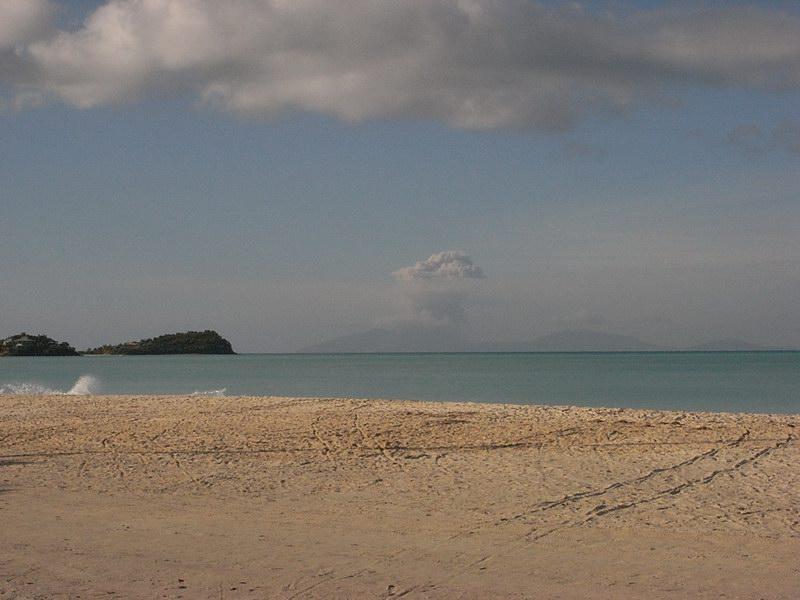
[[331, 498], [475, 403]]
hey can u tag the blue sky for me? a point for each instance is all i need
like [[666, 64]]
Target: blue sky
[[674, 218]]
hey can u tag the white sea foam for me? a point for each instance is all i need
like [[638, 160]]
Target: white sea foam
[[220, 392], [27, 389], [83, 386]]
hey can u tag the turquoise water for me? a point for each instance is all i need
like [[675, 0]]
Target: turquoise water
[[709, 381]]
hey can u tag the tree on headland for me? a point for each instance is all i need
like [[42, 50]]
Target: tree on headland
[[189, 342], [23, 344]]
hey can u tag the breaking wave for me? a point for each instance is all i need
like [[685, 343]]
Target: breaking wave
[[85, 385]]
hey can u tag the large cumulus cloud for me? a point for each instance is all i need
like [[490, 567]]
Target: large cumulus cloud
[[477, 64], [438, 287], [450, 264]]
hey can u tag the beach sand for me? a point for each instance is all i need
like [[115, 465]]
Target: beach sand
[[203, 497]]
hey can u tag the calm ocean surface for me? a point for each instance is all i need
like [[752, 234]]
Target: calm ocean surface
[[708, 381]]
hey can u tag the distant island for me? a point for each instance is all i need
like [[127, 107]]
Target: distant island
[[404, 338], [34, 345], [579, 340], [418, 338], [729, 345], [190, 342]]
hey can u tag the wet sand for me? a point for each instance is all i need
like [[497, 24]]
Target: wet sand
[[198, 497]]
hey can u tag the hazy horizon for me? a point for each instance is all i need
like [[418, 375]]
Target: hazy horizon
[[290, 173]]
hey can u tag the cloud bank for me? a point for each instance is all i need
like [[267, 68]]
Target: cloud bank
[[475, 64]]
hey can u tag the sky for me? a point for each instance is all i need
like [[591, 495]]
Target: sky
[[287, 172]]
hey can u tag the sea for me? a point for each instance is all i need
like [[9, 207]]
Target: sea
[[756, 382]]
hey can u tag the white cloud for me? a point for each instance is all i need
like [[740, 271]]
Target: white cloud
[[477, 64], [450, 264], [23, 20], [21, 23], [437, 288]]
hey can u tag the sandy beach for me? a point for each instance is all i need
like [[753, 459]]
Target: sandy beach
[[216, 497]]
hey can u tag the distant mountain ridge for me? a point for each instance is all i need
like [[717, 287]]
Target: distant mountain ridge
[[729, 345], [405, 338], [578, 340], [418, 338]]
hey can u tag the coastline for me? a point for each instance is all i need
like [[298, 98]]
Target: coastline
[[716, 382], [253, 497]]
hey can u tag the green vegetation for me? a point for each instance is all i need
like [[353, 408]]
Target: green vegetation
[[190, 342], [34, 345]]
